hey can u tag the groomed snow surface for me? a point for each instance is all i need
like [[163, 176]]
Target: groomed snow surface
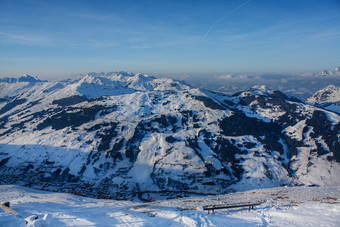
[[286, 206]]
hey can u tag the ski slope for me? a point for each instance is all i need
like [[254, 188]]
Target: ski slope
[[285, 206]]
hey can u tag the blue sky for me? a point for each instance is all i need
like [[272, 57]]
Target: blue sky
[[54, 38]]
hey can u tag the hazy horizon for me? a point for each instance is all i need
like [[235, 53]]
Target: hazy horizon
[[299, 85]]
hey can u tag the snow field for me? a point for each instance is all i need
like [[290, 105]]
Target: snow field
[[296, 206]]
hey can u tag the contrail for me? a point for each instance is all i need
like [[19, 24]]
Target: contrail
[[222, 18]]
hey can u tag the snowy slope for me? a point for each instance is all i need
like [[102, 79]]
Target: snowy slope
[[300, 206], [123, 135], [327, 98]]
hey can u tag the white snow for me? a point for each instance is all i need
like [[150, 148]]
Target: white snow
[[333, 107], [296, 131], [283, 206]]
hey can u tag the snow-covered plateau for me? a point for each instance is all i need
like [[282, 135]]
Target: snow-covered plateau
[[124, 135], [282, 206]]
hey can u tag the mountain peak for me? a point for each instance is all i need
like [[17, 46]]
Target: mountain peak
[[333, 72], [259, 87], [330, 94], [28, 78], [331, 87], [124, 73], [258, 90]]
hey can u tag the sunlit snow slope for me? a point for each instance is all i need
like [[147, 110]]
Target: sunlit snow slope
[[285, 206]]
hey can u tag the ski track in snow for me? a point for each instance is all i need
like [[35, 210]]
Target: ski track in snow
[[285, 206]]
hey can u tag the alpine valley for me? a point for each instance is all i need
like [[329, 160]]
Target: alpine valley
[[119, 135]]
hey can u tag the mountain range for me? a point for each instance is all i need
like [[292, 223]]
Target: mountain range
[[119, 135], [333, 72], [300, 85]]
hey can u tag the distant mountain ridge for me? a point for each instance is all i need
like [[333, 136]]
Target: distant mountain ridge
[[23, 78], [123, 134], [333, 72]]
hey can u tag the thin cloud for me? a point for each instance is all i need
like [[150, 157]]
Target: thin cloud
[[94, 16], [224, 77], [222, 18], [235, 77], [31, 39]]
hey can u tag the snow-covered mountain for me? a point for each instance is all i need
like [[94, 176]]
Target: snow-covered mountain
[[327, 98], [121, 135], [23, 78], [333, 72]]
